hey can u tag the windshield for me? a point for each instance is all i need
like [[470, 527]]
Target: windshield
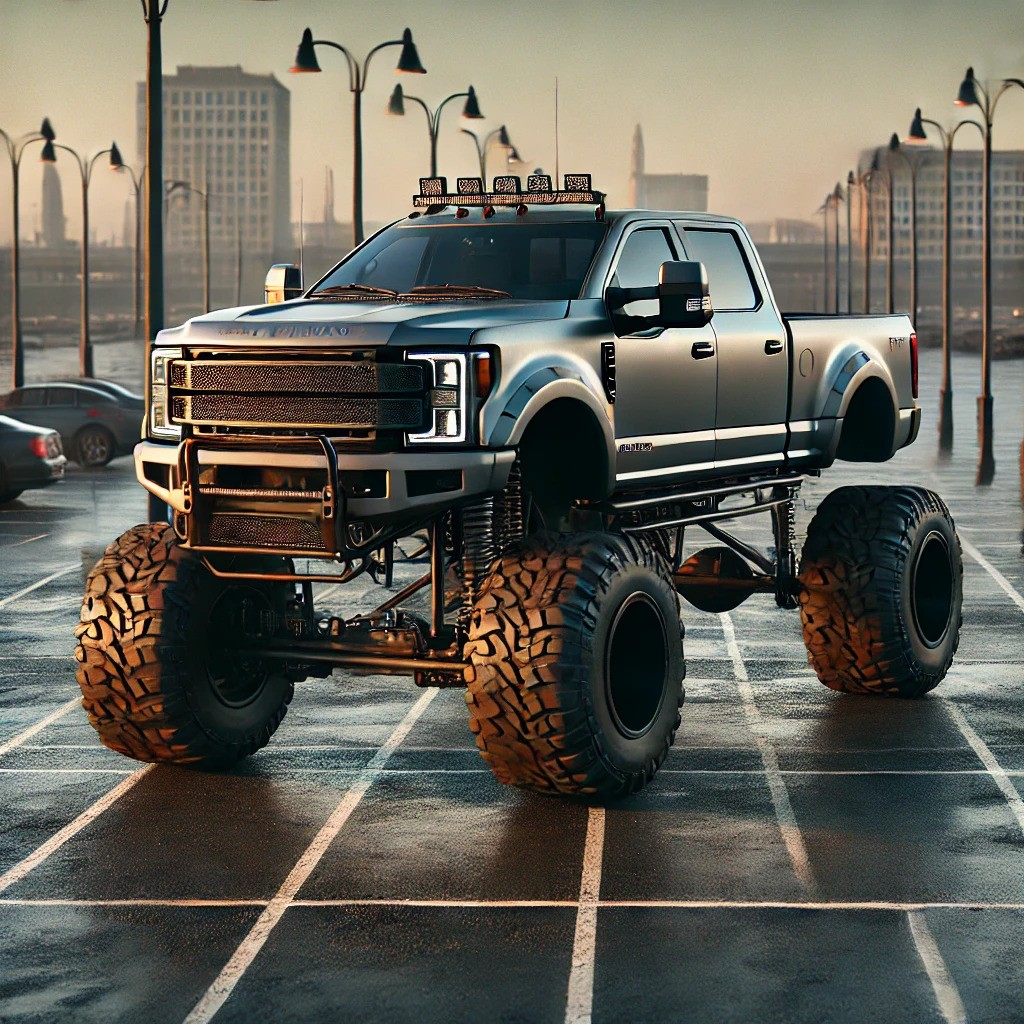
[[516, 260]]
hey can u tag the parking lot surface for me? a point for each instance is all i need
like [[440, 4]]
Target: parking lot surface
[[802, 856]]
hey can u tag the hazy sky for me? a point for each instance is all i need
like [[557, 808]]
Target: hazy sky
[[772, 101]]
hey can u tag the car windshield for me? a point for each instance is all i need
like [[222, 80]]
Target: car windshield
[[519, 260]]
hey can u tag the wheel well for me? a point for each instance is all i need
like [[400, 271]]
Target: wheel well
[[869, 425], [564, 455]]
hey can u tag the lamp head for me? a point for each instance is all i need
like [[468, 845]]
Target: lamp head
[[47, 131], [513, 155], [305, 55], [837, 193], [851, 180], [894, 143], [472, 108], [116, 163], [396, 102], [409, 59], [49, 154], [917, 132], [503, 137], [968, 94]]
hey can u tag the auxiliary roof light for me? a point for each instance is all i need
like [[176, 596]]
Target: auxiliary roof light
[[507, 190]]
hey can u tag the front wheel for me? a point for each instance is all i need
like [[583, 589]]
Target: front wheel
[[576, 665], [882, 589], [160, 659]]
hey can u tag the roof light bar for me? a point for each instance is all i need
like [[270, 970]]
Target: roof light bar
[[507, 190]]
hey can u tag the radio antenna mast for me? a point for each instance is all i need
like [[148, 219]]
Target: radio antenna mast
[[557, 175]]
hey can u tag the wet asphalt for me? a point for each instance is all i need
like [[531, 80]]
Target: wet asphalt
[[802, 856]]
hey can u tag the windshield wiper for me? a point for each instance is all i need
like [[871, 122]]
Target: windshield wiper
[[368, 290], [460, 290]]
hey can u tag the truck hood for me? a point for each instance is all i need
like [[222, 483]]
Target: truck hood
[[319, 324]]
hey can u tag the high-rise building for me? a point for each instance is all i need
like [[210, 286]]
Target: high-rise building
[[226, 132], [664, 191], [53, 209], [967, 182]]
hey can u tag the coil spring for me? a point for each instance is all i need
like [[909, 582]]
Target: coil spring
[[513, 514], [479, 550]]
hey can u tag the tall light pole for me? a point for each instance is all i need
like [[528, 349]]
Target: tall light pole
[[866, 179], [15, 151], [917, 134], [408, 62], [118, 164], [973, 94], [890, 225], [204, 194], [837, 198], [913, 166], [823, 210], [85, 168], [483, 148], [851, 184], [470, 110]]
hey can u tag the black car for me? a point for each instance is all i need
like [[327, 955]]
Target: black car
[[29, 457], [98, 420]]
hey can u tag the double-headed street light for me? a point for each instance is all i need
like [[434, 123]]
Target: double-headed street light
[[483, 148], [917, 134], [85, 169], [137, 185], [185, 187], [15, 151], [864, 180], [973, 94], [913, 166], [851, 184], [837, 199], [408, 63], [470, 111]]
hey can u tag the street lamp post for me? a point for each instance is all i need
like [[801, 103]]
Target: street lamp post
[[118, 164], [204, 194], [85, 168], [865, 180], [837, 198], [408, 62], [823, 210], [15, 151], [890, 226], [913, 166], [470, 110], [917, 134], [851, 183], [483, 148], [972, 93]]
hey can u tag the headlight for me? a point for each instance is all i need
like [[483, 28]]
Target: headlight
[[159, 402], [446, 396]]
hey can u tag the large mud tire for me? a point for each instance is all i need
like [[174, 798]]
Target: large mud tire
[[882, 589], [576, 665], [155, 678]]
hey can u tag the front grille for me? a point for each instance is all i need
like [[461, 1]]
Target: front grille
[[252, 531], [341, 391]]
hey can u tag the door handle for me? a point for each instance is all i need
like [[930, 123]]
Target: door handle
[[702, 350], [772, 346]]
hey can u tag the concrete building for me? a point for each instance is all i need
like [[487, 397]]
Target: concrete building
[[664, 191], [53, 234], [1007, 202], [230, 130]]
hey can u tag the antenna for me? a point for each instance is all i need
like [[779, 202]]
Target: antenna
[[557, 173]]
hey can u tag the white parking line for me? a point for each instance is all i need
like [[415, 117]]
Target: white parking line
[[54, 843], [946, 995], [31, 731], [216, 995], [580, 1000], [780, 795], [999, 774], [11, 598], [1000, 579], [27, 540]]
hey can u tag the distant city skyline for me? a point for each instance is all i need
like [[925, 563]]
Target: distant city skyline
[[773, 104]]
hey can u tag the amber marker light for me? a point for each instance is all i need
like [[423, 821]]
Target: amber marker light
[[485, 373]]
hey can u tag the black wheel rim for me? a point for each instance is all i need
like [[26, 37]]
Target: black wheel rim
[[931, 589], [95, 448], [236, 679], [636, 665]]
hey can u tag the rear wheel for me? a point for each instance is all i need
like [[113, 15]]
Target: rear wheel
[[94, 446], [157, 656], [577, 664], [882, 588]]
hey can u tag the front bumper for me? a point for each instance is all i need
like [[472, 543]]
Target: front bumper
[[382, 491]]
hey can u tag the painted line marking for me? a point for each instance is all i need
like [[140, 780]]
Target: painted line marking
[[580, 998], [55, 842], [11, 598], [131, 903], [780, 795], [946, 995], [27, 540], [217, 994], [1000, 579], [76, 771], [999, 774], [32, 730]]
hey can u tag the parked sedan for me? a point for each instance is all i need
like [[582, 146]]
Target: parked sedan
[[29, 457], [98, 421]]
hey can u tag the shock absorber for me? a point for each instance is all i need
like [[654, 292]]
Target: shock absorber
[[513, 514], [784, 524], [478, 552]]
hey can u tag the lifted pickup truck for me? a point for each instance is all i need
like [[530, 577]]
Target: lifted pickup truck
[[550, 394]]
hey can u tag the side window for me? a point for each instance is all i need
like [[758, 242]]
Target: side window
[[729, 278], [397, 266], [639, 264], [15, 399], [61, 396], [30, 397]]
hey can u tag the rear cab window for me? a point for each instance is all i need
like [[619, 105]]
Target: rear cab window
[[730, 280]]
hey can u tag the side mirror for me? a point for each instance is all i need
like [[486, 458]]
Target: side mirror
[[684, 299], [284, 281]]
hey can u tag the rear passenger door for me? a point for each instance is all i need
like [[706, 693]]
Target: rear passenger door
[[753, 360]]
